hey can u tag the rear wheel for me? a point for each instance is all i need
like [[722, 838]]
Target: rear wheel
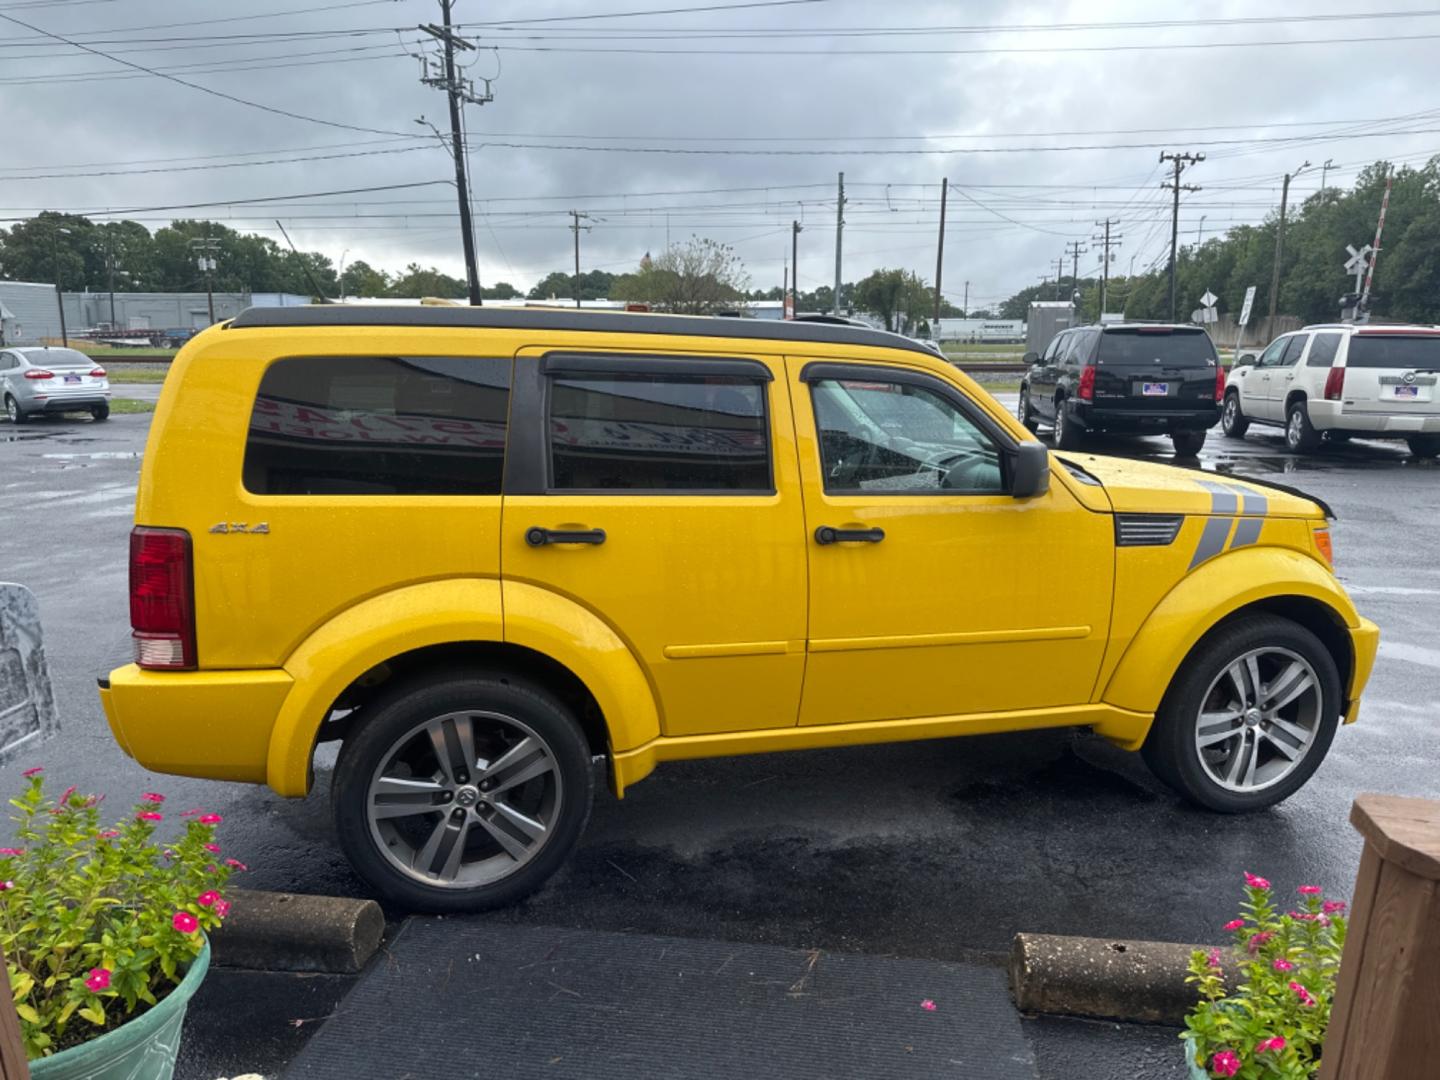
[[1424, 445], [1026, 412], [13, 411], [1069, 432], [100, 412], [1300, 437], [1233, 420], [1248, 717], [463, 794], [1187, 443]]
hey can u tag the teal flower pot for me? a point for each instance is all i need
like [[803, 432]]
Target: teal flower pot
[[144, 1048], [1196, 1072]]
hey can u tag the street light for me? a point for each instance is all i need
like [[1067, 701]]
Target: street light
[[1200, 231], [341, 278], [59, 295]]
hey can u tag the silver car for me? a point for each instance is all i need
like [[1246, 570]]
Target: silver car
[[39, 379]]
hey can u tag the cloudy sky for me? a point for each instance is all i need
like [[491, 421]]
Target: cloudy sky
[[719, 118]]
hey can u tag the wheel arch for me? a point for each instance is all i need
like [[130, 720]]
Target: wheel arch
[[1295, 394]]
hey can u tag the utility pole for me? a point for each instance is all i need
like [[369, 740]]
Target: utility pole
[[1059, 275], [1180, 162], [1075, 252], [940, 252], [1200, 231], [839, 235], [965, 311], [457, 91], [1325, 168], [110, 272], [1280, 250], [795, 230], [575, 227], [205, 260], [1106, 242], [59, 291]]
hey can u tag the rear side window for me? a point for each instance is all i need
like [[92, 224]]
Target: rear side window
[[1293, 350], [1394, 351], [1144, 347], [651, 432], [332, 425], [1322, 350]]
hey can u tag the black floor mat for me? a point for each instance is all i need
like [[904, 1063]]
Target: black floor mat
[[455, 998]]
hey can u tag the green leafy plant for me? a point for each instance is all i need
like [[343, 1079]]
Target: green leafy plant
[[1273, 1024], [98, 923]]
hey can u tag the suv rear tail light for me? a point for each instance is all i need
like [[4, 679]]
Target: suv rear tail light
[[1219, 382], [98, 373], [1335, 384], [39, 373], [1087, 382], [162, 598]]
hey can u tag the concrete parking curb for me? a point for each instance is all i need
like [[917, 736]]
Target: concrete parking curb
[[275, 931], [1140, 982]]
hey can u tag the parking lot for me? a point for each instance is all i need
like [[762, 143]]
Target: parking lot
[[926, 849]]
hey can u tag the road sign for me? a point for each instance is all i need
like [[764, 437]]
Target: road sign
[[27, 703], [1359, 260], [1249, 303], [1208, 300]]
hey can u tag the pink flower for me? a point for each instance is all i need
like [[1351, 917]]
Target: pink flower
[[1214, 958], [36, 771], [222, 908], [1270, 1045], [1333, 907], [109, 834], [151, 796], [236, 864], [214, 849], [207, 898], [1255, 882], [1302, 916], [1259, 939], [149, 815], [1225, 1063], [1309, 890], [97, 980], [65, 795], [185, 922], [5, 886], [1281, 964], [1302, 994], [928, 1005], [12, 851], [210, 819], [1234, 924]]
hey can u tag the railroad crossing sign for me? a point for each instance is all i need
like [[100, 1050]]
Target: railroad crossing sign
[[1358, 263]]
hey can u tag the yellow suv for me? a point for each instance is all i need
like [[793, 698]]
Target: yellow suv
[[486, 549]]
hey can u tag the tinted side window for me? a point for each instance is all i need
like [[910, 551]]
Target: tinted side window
[[327, 425], [1293, 350], [1057, 345], [1394, 351], [1322, 350], [641, 432], [1271, 356], [896, 438]]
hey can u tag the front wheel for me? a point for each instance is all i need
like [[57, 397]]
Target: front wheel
[[1248, 717], [463, 794], [1026, 412], [1424, 446], [1233, 420], [1300, 436], [1069, 432], [1187, 443]]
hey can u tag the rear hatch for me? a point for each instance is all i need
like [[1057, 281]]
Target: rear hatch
[[1394, 373], [1155, 368]]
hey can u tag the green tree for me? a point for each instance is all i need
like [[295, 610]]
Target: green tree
[[594, 285], [698, 277], [501, 290], [417, 282], [362, 279]]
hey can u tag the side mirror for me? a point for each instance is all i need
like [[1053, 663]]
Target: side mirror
[[1031, 473], [1030, 358]]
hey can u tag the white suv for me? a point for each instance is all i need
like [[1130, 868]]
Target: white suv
[[1338, 381]]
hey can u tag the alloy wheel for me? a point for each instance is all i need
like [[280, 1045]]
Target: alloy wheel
[[1293, 430], [1259, 719], [464, 799], [1230, 410]]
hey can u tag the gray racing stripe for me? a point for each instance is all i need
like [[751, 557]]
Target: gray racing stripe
[[1223, 500], [1253, 503], [1212, 540], [1247, 531]]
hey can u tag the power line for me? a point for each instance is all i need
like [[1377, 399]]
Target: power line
[[653, 11]]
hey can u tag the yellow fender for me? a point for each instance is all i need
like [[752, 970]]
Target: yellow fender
[[1203, 598]]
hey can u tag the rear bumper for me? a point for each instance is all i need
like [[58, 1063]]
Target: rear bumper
[[69, 402], [1108, 418], [1332, 416], [212, 724], [1365, 641]]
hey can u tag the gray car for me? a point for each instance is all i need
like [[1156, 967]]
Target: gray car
[[39, 379]]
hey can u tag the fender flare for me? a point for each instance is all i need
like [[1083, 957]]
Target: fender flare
[[1191, 609]]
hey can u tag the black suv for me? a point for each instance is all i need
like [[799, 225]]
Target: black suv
[[1127, 378]]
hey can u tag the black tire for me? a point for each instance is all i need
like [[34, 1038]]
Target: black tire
[[1069, 432], [1300, 437], [1424, 446], [1187, 443], [398, 717], [1170, 749], [1233, 421], [1026, 412], [13, 410], [101, 412]]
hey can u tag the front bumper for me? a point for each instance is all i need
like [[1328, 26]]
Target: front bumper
[[212, 724], [1100, 418], [1364, 641]]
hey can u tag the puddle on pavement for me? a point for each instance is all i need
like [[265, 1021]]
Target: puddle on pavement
[[98, 455]]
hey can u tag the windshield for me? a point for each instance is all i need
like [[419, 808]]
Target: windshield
[[1394, 351], [59, 358], [1143, 348]]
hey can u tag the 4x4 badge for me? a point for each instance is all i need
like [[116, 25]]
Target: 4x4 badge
[[240, 527]]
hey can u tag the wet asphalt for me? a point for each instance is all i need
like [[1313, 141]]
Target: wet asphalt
[[928, 850]]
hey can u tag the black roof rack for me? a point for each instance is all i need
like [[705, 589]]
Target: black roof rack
[[605, 322]]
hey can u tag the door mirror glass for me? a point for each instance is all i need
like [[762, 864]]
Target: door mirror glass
[[1030, 358], [1031, 473]]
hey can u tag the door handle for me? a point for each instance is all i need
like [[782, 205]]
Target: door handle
[[535, 536], [828, 534]]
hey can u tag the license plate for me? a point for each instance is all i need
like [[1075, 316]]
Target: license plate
[[72, 378], [1155, 389], [1407, 391]]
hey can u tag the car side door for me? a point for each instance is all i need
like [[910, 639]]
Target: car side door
[[924, 599], [1282, 377], [1042, 393], [1255, 391]]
